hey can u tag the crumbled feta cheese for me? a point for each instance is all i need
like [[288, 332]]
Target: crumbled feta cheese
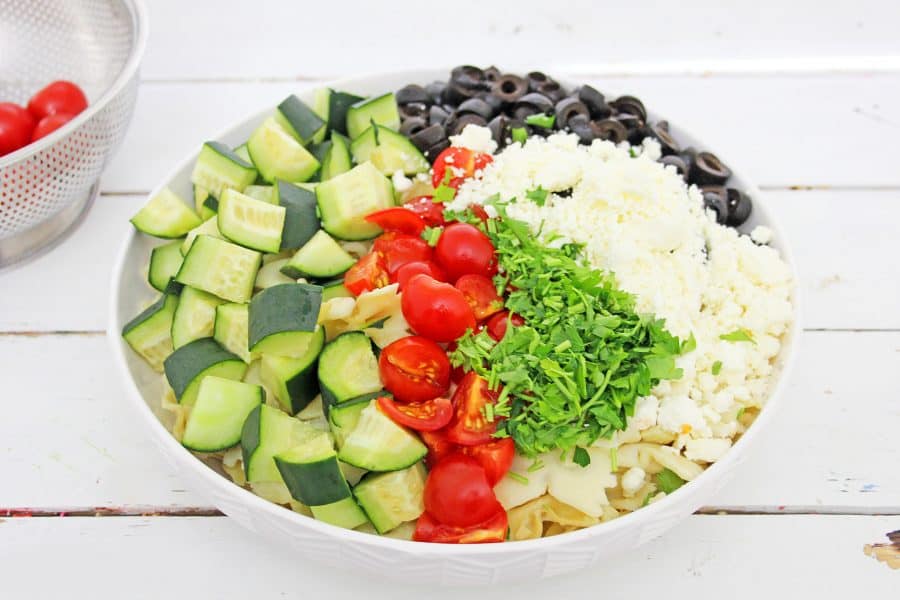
[[762, 234], [632, 481], [706, 449], [401, 182], [475, 138]]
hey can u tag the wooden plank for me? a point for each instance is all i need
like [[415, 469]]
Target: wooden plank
[[303, 39], [74, 443], [790, 556], [844, 242], [802, 131]]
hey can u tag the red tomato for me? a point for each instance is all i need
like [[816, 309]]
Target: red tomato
[[49, 124], [496, 457], [436, 310], [498, 324], [463, 162], [414, 369], [16, 125], [428, 529], [480, 294], [398, 249], [469, 426], [399, 220], [429, 415], [463, 249], [407, 271], [58, 97], [438, 446], [478, 211], [431, 212], [367, 274], [457, 492]]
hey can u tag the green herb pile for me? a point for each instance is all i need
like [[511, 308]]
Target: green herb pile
[[572, 373]]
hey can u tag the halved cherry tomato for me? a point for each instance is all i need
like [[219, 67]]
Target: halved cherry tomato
[[49, 124], [496, 457], [438, 446], [398, 249], [480, 294], [456, 373], [427, 267], [478, 211], [431, 212], [457, 492], [463, 249], [463, 162], [16, 126], [414, 369], [57, 97], [436, 310], [429, 415], [429, 529], [499, 323], [398, 219], [367, 274], [469, 426]]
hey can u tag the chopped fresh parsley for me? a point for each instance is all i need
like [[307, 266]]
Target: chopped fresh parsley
[[740, 413], [717, 367], [738, 335], [633, 152], [519, 134], [517, 478], [668, 481], [432, 235], [538, 196], [573, 372], [581, 457], [541, 120], [646, 500], [444, 193]]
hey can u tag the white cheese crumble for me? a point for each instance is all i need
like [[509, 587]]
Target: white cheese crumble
[[639, 220], [632, 481], [401, 181], [475, 138]]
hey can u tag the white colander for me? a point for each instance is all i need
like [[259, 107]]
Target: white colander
[[47, 186]]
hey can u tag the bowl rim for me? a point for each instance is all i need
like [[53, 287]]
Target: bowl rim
[[138, 12], [200, 470]]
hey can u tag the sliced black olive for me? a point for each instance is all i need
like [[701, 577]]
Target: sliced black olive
[[499, 127], [432, 152], [539, 101], [630, 121], [524, 111], [739, 207], [468, 77], [708, 169], [664, 125], [412, 93], [437, 115], [456, 94], [413, 109], [435, 91], [412, 126], [715, 198], [660, 131], [552, 90], [493, 101], [595, 102], [455, 126], [583, 128], [536, 79], [610, 130], [630, 105], [677, 162], [688, 155], [510, 88], [476, 106], [428, 137], [568, 108], [492, 73]]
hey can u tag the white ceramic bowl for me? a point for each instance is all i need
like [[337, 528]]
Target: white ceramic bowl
[[410, 562]]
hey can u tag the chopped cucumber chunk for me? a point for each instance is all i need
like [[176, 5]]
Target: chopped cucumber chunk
[[165, 261], [379, 444], [219, 168], [389, 151], [270, 274], [381, 109], [230, 330], [294, 381], [209, 227], [263, 193], [187, 366], [301, 220], [267, 432], [348, 368], [278, 155], [251, 223], [320, 257], [149, 333], [300, 121], [221, 268], [195, 316], [283, 319], [390, 499], [345, 201], [165, 216], [337, 158], [219, 413]]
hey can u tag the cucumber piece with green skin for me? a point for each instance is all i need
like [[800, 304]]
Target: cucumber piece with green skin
[[251, 223], [219, 168], [221, 268], [165, 216], [187, 366], [344, 513], [390, 499], [150, 333], [337, 159], [381, 109], [320, 105], [338, 105], [283, 319], [270, 274], [263, 193], [319, 150], [208, 227], [165, 261], [294, 381], [301, 219], [347, 199], [379, 444], [201, 198], [389, 151], [335, 289], [195, 316], [267, 432], [348, 368], [243, 153], [320, 257], [230, 329], [300, 120], [218, 415], [278, 155], [343, 417]]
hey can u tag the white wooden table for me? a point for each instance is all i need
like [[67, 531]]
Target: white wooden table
[[804, 96]]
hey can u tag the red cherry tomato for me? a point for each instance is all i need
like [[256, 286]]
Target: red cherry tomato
[[478, 211], [480, 294], [414, 369], [457, 492], [436, 310], [429, 415], [16, 126], [463, 164], [496, 457], [429, 529], [463, 249], [367, 274], [399, 220], [499, 323], [58, 97], [398, 249], [407, 271], [469, 426], [49, 124], [438, 446], [430, 211]]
